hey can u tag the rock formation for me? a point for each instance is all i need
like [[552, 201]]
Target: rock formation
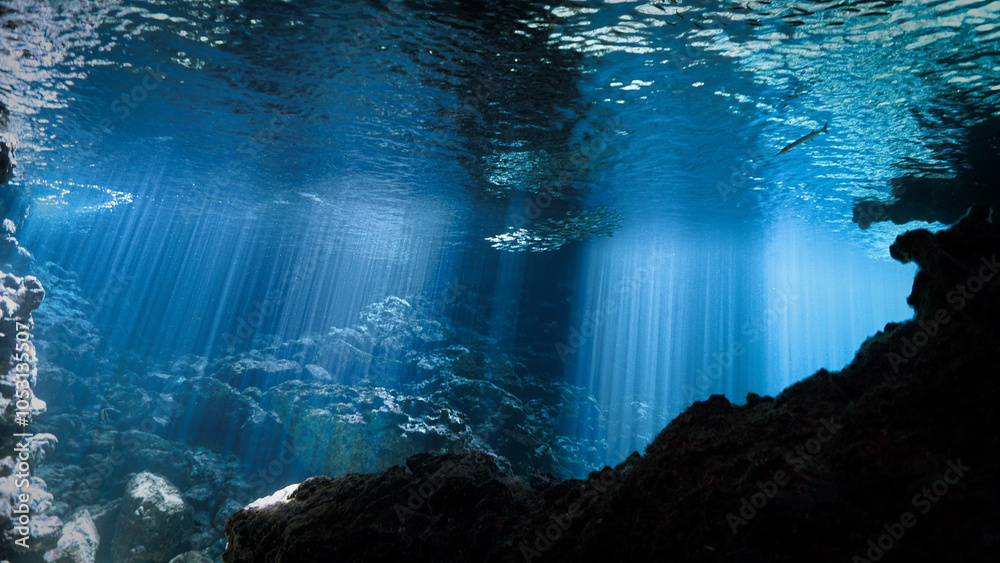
[[930, 197], [25, 525], [893, 458], [226, 430], [153, 523]]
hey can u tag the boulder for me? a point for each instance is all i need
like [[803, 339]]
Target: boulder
[[215, 415], [338, 429], [262, 372], [78, 542], [153, 523]]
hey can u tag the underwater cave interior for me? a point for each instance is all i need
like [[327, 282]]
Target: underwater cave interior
[[285, 239]]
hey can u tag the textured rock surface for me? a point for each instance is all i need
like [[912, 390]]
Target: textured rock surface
[[6, 156], [191, 557], [375, 351], [479, 497], [341, 429], [69, 339], [78, 541], [153, 522], [14, 201], [902, 441], [225, 430], [19, 297], [117, 417], [366, 397], [210, 413]]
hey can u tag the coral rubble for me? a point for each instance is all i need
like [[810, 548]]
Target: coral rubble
[[224, 430], [24, 501]]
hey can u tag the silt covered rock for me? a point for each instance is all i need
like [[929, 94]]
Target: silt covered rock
[[153, 522]]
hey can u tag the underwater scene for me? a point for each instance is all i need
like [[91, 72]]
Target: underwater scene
[[442, 280]]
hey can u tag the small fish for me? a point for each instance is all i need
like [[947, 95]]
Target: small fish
[[808, 137], [108, 413]]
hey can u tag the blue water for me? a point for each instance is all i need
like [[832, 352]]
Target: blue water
[[217, 177]]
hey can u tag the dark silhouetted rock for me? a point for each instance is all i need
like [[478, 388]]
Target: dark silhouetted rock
[[935, 199], [6, 156], [399, 506], [824, 471]]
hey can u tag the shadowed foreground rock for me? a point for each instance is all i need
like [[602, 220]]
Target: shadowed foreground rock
[[894, 458]]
